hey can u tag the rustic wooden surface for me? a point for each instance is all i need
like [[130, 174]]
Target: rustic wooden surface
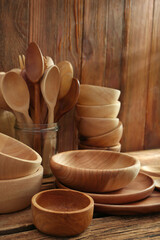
[[19, 225], [109, 43]]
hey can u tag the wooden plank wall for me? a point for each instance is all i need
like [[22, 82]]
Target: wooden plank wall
[[114, 43]]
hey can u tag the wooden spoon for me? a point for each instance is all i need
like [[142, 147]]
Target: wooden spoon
[[34, 64], [16, 94], [50, 85], [66, 103], [66, 74]]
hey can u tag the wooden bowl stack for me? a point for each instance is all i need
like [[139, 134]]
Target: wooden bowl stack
[[96, 118], [20, 174]]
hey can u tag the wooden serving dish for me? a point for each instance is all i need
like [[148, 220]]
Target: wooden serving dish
[[94, 170], [62, 212], [99, 111], [16, 193], [97, 95], [16, 158], [141, 187]]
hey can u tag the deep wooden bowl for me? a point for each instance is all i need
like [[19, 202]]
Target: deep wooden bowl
[[94, 170], [16, 159], [100, 111], [92, 127], [97, 95], [62, 212], [16, 193], [109, 139]]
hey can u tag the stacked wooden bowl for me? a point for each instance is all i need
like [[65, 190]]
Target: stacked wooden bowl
[[96, 118], [20, 174]]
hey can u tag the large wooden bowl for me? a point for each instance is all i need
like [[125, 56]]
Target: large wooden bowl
[[16, 193], [16, 159], [62, 213], [109, 139], [94, 170], [91, 127], [100, 111], [96, 95]]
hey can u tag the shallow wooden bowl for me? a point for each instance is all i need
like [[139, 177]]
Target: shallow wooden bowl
[[16, 158], [62, 212], [100, 111], [97, 95], [109, 139], [94, 170], [116, 148], [16, 193], [91, 127]]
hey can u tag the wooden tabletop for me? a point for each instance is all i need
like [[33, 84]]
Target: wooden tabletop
[[19, 225]]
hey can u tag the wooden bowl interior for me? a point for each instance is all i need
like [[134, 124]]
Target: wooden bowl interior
[[14, 148], [94, 159], [62, 201]]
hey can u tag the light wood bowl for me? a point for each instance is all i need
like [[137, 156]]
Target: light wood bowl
[[100, 111], [97, 95], [109, 139], [16, 158], [16, 193], [94, 170], [62, 213], [92, 127], [116, 148]]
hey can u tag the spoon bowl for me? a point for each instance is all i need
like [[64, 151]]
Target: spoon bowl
[[66, 103]]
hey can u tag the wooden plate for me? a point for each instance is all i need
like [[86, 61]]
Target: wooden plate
[[148, 205], [138, 189]]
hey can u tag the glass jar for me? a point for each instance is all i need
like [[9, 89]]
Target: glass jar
[[42, 138]]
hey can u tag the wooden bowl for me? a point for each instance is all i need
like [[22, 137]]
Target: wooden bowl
[[16, 193], [97, 95], [116, 148], [100, 111], [62, 212], [109, 139], [94, 170], [16, 158], [91, 127]]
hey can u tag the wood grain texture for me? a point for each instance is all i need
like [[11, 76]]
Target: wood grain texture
[[135, 64], [14, 16], [94, 42], [152, 130]]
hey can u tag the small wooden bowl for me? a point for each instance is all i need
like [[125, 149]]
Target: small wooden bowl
[[94, 170], [16, 193], [92, 127], [100, 111], [106, 140], [62, 213], [16, 158], [116, 148], [97, 95]]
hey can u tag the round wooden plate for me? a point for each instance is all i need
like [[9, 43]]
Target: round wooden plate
[[138, 189], [145, 206]]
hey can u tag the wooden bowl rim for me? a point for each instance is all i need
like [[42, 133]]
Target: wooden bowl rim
[[100, 87], [136, 161], [35, 204], [38, 157], [19, 179], [117, 103]]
